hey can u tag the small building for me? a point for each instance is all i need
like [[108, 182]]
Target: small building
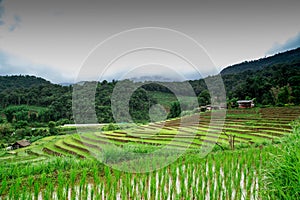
[[20, 144], [212, 107], [245, 103], [208, 107], [223, 106]]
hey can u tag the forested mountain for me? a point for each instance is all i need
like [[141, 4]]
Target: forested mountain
[[266, 82], [288, 57], [13, 82], [273, 85]]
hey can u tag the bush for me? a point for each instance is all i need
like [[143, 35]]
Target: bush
[[110, 127], [52, 128], [5, 129], [35, 138], [282, 173], [62, 122], [22, 132], [21, 124]]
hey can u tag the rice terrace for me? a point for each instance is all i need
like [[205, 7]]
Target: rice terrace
[[62, 167]]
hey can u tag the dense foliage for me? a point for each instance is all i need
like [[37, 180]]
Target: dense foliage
[[274, 85], [12, 82]]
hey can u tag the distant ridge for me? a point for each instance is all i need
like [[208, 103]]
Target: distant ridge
[[288, 57], [21, 81], [66, 84]]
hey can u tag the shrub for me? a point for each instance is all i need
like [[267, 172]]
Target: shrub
[[110, 127], [5, 129], [21, 132], [52, 128], [35, 138], [21, 124], [62, 122], [282, 173]]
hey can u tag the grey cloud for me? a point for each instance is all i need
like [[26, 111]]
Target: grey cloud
[[17, 21], [1, 13], [13, 65], [291, 43]]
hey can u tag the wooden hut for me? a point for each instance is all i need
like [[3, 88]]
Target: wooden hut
[[245, 103], [20, 144]]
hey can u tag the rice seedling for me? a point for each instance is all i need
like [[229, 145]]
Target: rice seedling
[[36, 190]]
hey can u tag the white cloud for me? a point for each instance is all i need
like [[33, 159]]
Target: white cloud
[[291, 43], [14, 65]]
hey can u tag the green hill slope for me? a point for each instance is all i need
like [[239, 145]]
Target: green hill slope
[[13, 82], [288, 57]]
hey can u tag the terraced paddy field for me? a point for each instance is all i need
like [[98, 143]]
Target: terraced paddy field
[[68, 167], [248, 126]]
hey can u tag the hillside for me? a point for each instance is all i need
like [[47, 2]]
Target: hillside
[[14, 82], [288, 57]]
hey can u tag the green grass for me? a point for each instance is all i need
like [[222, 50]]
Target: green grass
[[282, 171]]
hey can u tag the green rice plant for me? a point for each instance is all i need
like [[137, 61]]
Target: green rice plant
[[152, 186], [24, 194], [86, 192], [182, 186], [172, 191], [61, 186], [43, 178], [73, 175], [244, 172], [123, 194], [3, 186], [239, 179], [205, 182], [11, 192], [46, 195], [229, 184], [99, 192], [92, 192], [211, 181], [220, 185], [50, 188], [17, 188], [36, 190], [250, 181], [66, 189], [201, 173], [82, 183], [189, 177], [30, 182]]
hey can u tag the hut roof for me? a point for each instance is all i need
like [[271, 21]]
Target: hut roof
[[245, 101], [23, 143]]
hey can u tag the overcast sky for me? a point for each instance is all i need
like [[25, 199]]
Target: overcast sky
[[51, 39]]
